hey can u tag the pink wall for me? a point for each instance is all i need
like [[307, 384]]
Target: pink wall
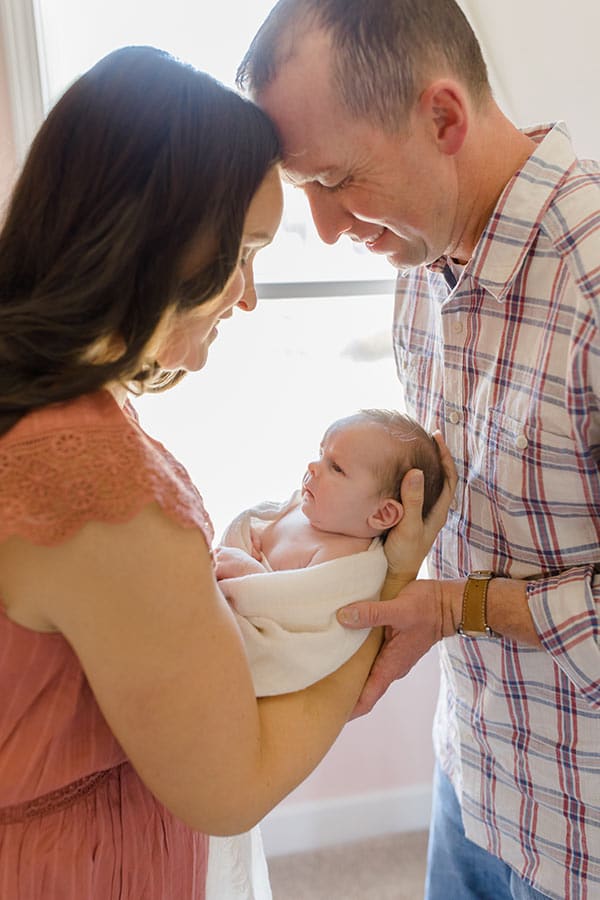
[[388, 749]]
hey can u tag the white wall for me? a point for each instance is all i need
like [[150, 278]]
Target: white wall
[[544, 62], [7, 149]]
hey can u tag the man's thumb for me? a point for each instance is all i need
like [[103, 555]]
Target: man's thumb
[[359, 615]]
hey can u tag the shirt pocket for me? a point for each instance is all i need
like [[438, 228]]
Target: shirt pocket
[[539, 487]]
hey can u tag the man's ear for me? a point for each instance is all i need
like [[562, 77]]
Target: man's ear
[[388, 513], [445, 104]]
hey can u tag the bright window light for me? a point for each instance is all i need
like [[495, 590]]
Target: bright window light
[[246, 426], [213, 38]]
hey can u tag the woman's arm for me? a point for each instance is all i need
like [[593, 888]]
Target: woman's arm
[[139, 604]]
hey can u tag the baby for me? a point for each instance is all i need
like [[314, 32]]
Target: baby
[[286, 569], [350, 495]]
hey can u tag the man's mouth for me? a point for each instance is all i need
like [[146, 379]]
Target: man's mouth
[[374, 242]]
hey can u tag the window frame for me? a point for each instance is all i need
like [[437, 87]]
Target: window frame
[[25, 69]]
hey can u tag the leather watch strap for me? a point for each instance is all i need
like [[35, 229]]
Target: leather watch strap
[[474, 607]]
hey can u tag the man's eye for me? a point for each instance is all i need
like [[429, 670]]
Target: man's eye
[[334, 188]]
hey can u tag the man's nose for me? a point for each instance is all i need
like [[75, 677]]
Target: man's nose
[[331, 219]]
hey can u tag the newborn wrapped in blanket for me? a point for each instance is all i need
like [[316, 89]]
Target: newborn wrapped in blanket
[[287, 618], [292, 639]]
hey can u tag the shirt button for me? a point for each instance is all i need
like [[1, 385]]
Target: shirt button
[[521, 442], [454, 417], [457, 327]]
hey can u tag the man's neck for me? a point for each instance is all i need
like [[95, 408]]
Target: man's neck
[[494, 154]]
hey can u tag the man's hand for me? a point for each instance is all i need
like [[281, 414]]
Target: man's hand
[[413, 622], [408, 544], [231, 562], [412, 612]]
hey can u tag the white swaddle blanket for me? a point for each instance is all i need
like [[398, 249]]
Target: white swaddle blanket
[[292, 639], [287, 618]]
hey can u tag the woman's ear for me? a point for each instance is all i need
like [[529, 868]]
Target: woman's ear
[[388, 513]]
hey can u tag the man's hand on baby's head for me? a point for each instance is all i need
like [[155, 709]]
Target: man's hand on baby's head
[[231, 562]]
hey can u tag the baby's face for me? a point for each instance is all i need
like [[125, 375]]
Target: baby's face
[[340, 489]]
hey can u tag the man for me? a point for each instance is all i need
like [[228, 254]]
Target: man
[[389, 125]]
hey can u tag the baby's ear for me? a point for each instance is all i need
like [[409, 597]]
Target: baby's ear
[[388, 513]]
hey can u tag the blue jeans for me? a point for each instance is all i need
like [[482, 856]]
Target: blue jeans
[[457, 869]]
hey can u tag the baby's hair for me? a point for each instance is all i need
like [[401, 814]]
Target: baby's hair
[[416, 450]]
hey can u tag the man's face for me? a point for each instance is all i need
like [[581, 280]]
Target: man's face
[[395, 193]]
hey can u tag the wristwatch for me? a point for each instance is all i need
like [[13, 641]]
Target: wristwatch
[[474, 607]]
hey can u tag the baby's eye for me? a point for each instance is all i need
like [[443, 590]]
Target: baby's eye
[[336, 468]]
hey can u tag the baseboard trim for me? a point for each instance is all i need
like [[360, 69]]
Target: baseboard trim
[[304, 826]]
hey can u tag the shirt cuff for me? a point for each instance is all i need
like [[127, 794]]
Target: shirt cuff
[[566, 615]]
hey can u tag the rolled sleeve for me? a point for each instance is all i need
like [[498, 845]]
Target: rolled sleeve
[[566, 614]]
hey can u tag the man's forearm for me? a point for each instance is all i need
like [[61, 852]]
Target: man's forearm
[[507, 609]]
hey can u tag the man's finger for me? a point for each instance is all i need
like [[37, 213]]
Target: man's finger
[[447, 461], [366, 614], [412, 490], [374, 689]]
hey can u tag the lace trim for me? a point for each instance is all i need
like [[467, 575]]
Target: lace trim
[[57, 800], [52, 483]]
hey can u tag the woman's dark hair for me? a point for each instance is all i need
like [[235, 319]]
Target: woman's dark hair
[[140, 156]]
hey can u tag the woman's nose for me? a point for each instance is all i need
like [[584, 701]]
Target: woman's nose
[[248, 300]]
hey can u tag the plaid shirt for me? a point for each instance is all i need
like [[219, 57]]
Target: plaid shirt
[[504, 357]]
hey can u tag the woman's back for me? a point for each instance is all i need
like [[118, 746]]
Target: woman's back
[[73, 813]]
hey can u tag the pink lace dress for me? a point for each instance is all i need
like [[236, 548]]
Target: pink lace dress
[[76, 822]]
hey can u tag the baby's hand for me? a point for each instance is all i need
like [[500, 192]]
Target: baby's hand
[[256, 538], [231, 562]]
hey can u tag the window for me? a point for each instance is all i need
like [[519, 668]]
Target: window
[[246, 426]]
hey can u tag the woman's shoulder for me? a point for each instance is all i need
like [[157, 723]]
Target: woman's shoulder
[[88, 459]]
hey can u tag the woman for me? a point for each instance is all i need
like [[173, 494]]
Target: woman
[[128, 723]]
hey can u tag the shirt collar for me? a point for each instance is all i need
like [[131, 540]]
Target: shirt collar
[[515, 222]]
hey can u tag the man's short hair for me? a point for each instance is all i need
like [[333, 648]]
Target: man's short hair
[[384, 51]]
